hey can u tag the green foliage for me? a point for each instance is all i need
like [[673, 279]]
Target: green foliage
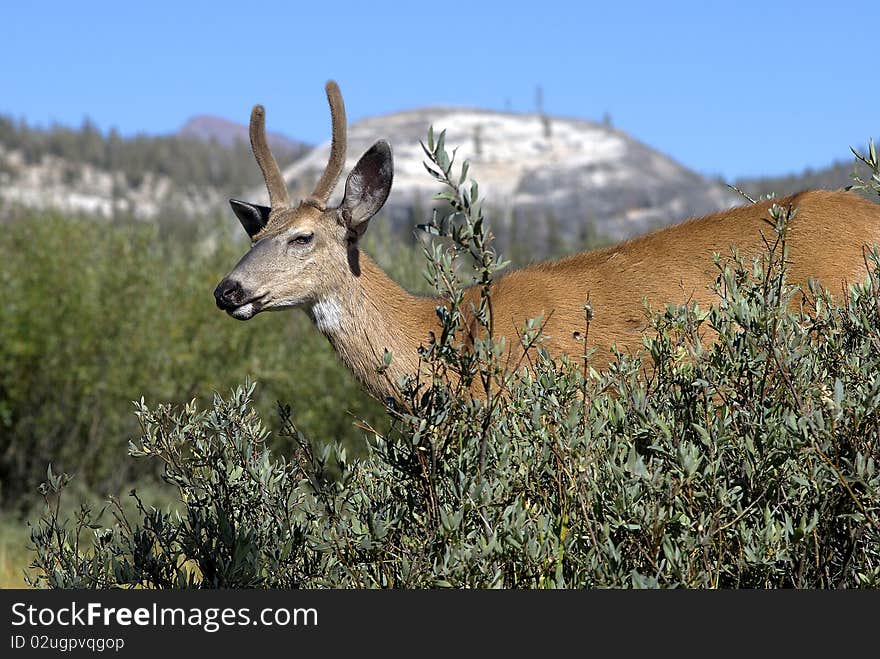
[[871, 164], [98, 313], [740, 450]]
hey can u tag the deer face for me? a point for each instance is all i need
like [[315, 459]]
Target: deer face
[[300, 255]]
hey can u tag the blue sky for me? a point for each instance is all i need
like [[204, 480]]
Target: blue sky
[[732, 88]]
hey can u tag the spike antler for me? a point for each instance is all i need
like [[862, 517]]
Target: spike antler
[[278, 197], [337, 148]]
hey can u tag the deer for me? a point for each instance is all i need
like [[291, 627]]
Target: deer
[[307, 255]]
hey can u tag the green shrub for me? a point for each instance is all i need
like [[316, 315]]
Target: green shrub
[[750, 461], [98, 313]]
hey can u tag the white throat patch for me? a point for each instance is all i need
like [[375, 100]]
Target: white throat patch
[[327, 315]]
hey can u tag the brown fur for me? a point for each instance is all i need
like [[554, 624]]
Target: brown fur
[[675, 266], [363, 312], [670, 266]]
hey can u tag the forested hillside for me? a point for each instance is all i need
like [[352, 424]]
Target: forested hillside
[[187, 159]]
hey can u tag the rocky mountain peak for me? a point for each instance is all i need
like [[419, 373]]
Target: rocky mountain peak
[[533, 166]]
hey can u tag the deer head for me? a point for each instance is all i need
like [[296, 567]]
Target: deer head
[[300, 254]]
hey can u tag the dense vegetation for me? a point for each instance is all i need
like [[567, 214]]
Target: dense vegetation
[[185, 160], [750, 461], [98, 314]]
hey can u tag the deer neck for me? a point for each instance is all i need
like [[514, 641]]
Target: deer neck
[[368, 313]]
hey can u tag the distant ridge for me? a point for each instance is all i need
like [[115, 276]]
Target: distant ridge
[[225, 131], [553, 184], [544, 174]]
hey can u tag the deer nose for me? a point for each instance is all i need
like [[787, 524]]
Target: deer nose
[[228, 294]]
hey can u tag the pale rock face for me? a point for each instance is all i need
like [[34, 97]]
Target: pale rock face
[[48, 184], [529, 166], [585, 175]]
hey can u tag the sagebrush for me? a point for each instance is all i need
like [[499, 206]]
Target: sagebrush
[[738, 449]]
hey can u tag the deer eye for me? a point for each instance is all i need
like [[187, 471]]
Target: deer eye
[[300, 240]]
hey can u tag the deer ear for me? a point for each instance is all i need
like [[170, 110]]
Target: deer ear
[[252, 217], [367, 187]]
